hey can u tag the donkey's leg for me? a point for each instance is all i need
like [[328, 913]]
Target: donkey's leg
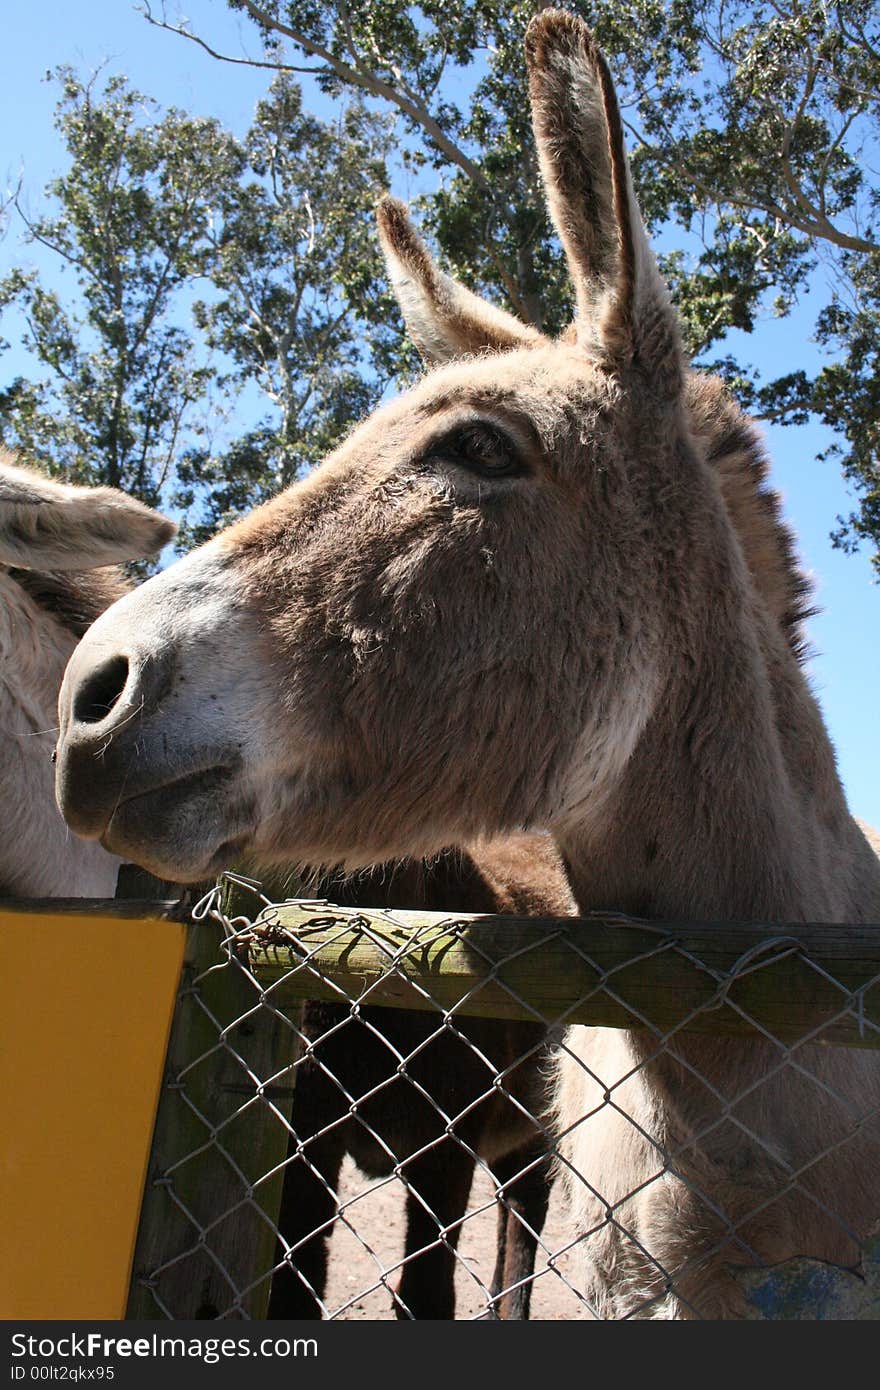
[[439, 1180], [500, 1255], [308, 1202], [522, 1209]]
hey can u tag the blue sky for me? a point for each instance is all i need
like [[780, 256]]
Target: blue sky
[[845, 670]]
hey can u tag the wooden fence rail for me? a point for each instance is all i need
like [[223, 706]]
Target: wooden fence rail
[[606, 970]]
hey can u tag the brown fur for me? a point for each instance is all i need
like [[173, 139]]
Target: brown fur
[[601, 637]]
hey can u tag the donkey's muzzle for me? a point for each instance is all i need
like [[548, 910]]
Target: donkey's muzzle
[[153, 723], [106, 707]]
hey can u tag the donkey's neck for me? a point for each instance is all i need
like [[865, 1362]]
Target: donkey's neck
[[730, 807]]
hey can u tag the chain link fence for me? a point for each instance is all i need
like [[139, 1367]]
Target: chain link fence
[[358, 1118]]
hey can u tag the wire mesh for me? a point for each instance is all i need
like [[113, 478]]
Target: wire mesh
[[332, 1157]]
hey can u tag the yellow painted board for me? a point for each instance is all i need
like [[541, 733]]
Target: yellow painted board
[[85, 1009]]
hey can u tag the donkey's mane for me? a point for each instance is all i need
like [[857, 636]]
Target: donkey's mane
[[734, 446]]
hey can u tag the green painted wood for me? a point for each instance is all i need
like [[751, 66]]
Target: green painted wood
[[605, 969]]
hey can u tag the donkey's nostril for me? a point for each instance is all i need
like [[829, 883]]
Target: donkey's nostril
[[100, 691]]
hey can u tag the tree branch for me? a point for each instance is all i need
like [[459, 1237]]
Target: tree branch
[[775, 415], [221, 57], [818, 227], [360, 76], [408, 102]]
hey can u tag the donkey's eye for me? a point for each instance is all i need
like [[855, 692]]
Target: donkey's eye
[[481, 448]]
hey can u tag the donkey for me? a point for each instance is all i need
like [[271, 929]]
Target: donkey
[[360, 1059], [516, 596], [50, 535], [401, 1120]]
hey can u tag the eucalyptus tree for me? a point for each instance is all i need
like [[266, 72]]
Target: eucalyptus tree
[[116, 370]]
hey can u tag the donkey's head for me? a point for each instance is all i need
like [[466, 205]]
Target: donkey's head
[[462, 621]]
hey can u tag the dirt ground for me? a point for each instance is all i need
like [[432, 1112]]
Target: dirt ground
[[377, 1213]]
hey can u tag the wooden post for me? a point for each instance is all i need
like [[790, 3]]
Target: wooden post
[[206, 1242], [605, 970]]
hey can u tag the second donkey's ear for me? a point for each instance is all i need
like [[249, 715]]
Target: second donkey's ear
[[48, 525], [443, 319], [623, 305]]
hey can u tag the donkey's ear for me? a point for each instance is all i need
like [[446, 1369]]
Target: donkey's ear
[[443, 319], [623, 305], [46, 525]]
